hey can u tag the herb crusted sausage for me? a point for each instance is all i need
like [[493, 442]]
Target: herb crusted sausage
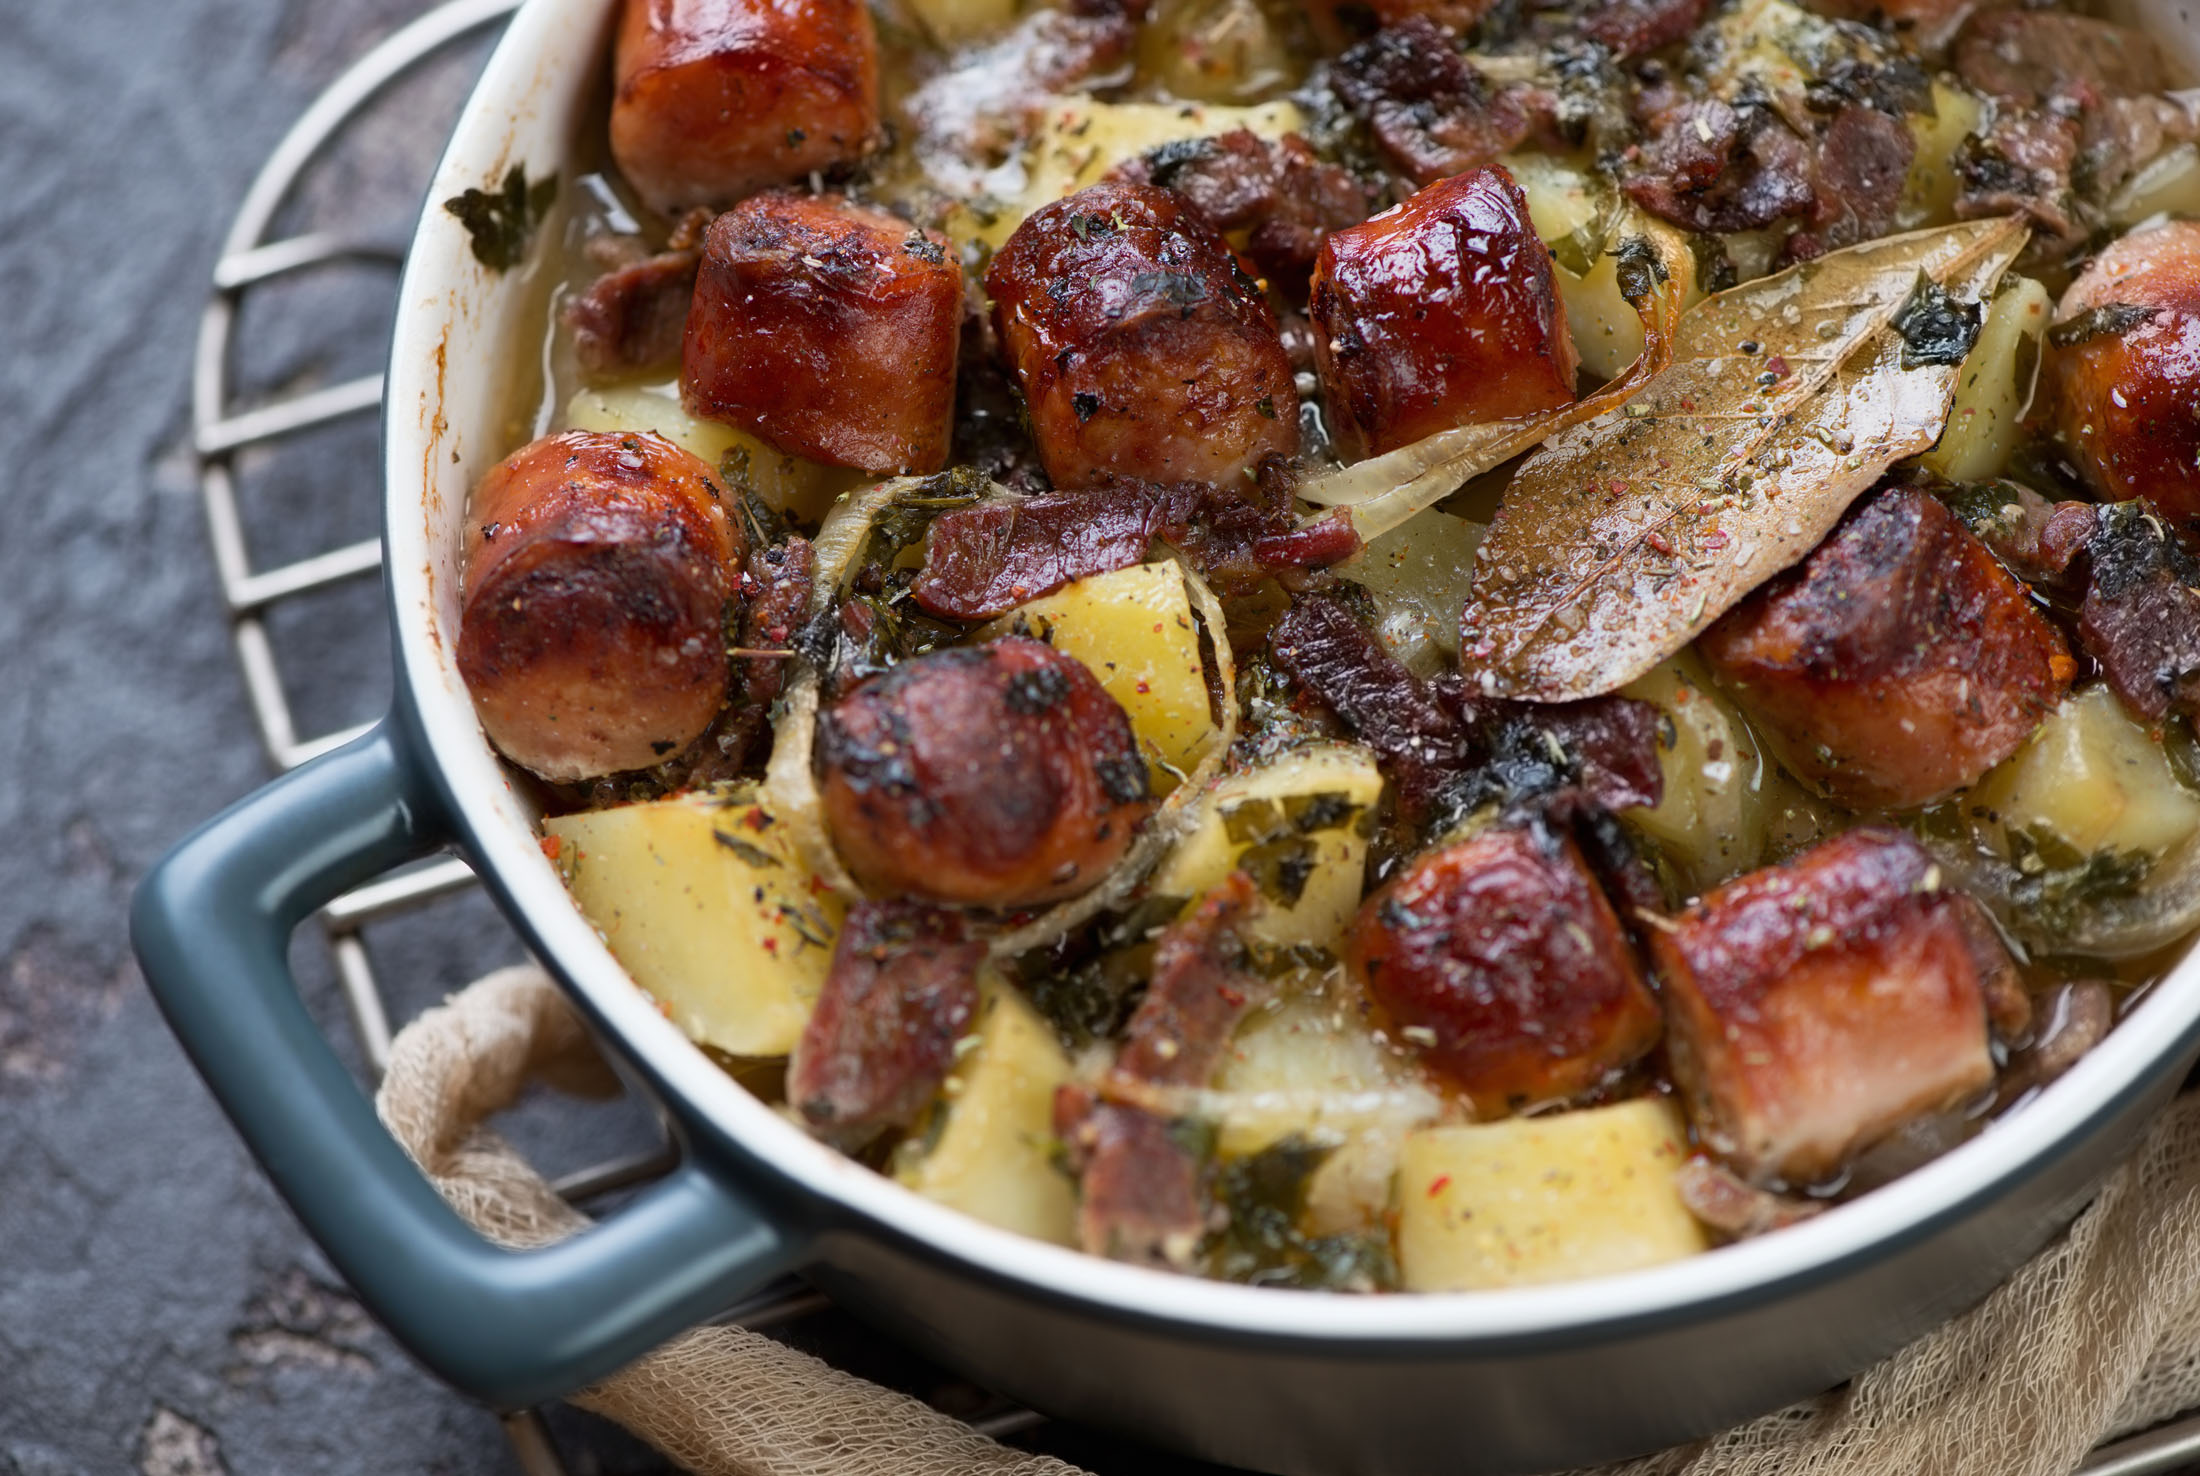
[[1144, 349], [599, 571], [1000, 775]]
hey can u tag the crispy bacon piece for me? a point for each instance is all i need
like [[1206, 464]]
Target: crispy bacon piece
[[776, 586], [1432, 112], [1276, 192], [902, 989], [713, 99], [985, 560], [1709, 166], [828, 329], [1202, 986], [1000, 775], [1443, 311], [1143, 348], [1601, 753], [2020, 164], [1502, 961], [1339, 23], [2040, 541], [1628, 28], [2030, 56], [2124, 370], [1860, 168], [598, 568], [1812, 1008], [1897, 663], [2141, 616], [1142, 1190], [632, 317]]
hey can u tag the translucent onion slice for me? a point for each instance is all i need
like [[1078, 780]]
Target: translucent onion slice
[[1170, 823]]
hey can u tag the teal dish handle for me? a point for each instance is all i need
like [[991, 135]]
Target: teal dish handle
[[212, 924]]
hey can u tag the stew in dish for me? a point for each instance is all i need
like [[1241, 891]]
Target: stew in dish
[[1364, 644]]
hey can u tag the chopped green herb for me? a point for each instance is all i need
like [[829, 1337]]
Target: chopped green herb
[[753, 854], [501, 223], [1263, 1196]]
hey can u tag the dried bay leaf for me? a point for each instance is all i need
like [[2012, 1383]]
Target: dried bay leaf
[[1384, 491], [1787, 397]]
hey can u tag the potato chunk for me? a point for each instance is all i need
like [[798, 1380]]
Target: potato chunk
[[1439, 312], [786, 483], [1813, 1008], [1142, 347], [708, 907], [991, 1156], [828, 329], [1542, 1199], [715, 98], [1994, 385], [1897, 663], [1297, 825], [2091, 780], [1135, 629], [1712, 816], [1500, 959]]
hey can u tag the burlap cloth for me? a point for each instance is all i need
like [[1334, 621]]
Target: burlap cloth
[[2097, 1337]]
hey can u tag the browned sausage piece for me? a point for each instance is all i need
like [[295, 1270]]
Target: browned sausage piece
[[902, 989], [1142, 347], [1439, 312], [592, 627], [714, 99], [1897, 663], [1431, 112], [1000, 775], [1812, 1008], [1203, 986], [828, 329], [2124, 370], [1501, 959]]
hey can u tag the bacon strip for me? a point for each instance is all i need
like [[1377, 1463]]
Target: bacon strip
[[902, 988]]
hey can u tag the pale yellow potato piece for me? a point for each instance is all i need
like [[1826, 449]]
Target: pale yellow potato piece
[[1994, 385], [1309, 1065], [954, 21], [1081, 139], [2094, 779], [991, 1157], [707, 907], [1134, 627], [786, 483], [1304, 807], [1541, 1199], [1711, 820], [1929, 190], [1419, 574], [1575, 216]]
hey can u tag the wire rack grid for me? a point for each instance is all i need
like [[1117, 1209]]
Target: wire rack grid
[[251, 257]]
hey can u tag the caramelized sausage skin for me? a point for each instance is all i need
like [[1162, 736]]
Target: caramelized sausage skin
[[1897, 663], [1503, 961], [1000, 775], [1143, 347], [599, 571], [2126, 373], [830, 330], [1439, 312], [1814, 1007], [715, 98]]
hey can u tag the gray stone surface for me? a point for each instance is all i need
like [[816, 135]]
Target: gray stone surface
[[159, 1310]]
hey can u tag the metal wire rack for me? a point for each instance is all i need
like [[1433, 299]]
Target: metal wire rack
[[252, 258]]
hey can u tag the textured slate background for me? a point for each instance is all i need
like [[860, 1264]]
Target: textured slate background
[[159, 1310]]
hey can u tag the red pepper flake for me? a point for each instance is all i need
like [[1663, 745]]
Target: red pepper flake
[[1231, 997], [1714, 538], [1777, 365], [1143, 689], [756, 819], [553, 846], [1438, 1185], [1659, 542], [771, 946]]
